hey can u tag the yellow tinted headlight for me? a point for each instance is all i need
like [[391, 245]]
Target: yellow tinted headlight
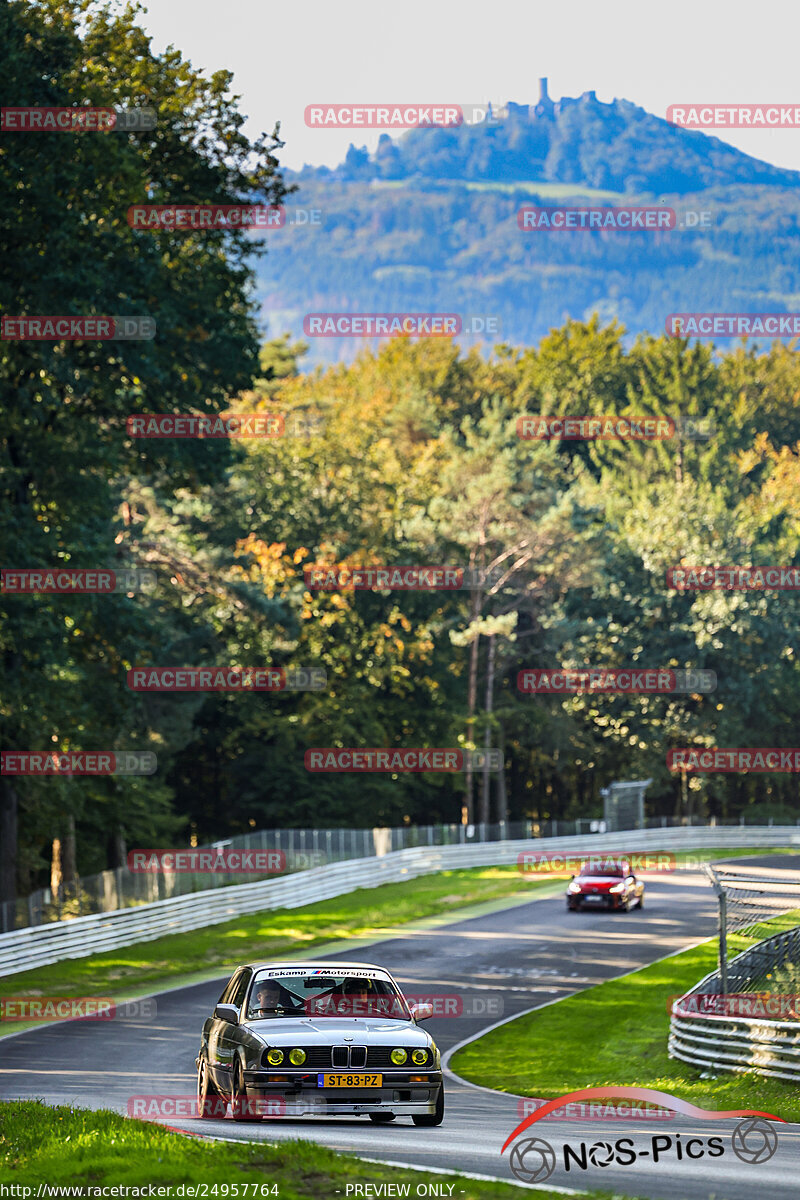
[[275, 1057], [398, 1057], [419, 1057], [297, 1057]]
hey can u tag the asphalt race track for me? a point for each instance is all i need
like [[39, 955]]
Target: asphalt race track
[[501, 964]]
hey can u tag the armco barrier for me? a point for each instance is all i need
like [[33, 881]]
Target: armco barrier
[[23, 949], [740, 1043]]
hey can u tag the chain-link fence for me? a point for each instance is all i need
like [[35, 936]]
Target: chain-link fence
[[745, 1016]]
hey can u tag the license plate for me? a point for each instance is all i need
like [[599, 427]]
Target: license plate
[[593, 899], [349, 1081]]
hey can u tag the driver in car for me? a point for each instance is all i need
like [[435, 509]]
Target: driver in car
[[270, 997]]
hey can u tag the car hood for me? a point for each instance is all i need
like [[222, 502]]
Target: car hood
[[601, 883], [326, 1031]]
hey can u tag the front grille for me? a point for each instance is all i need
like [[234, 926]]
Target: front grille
[[336, 1057]]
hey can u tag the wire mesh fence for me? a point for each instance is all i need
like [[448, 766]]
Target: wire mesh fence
[[745, 1016]]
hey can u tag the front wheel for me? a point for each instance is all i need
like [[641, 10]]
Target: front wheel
[[209, 1102], [434, 1118], [641, 901], [382, 1118], [241, 1108]]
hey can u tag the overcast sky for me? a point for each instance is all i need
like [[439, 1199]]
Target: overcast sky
[[285, 56]]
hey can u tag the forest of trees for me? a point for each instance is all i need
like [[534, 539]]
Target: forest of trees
[[413, 457]]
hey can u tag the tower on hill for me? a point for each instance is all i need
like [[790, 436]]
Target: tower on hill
[[545, 105]]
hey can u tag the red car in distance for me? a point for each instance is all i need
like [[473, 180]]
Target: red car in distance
[[610, 884]]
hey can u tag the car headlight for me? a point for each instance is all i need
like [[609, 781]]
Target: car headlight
[[419, 1057], [274, 1057], [297, 1057], [398, 1057], [617, 887], [574, 887]]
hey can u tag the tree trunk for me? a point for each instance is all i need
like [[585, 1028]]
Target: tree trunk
[[472, 695], [8, 847], [55, 869], [117, 853], [502, 799], [487, 737], [68, 851]]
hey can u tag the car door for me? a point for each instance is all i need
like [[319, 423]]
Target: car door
[[224, 1036]]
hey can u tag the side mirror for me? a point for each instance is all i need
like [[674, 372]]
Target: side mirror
[[227, 1012], [421, 1012]]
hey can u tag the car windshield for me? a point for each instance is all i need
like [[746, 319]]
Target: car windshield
[[324, 995], [615, 870]]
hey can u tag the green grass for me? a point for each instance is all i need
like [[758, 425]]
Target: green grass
[[217, 949], [616, 1033], [553, 191], [71, 1146]]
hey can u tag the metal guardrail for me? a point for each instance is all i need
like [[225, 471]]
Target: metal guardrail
[[24, 949], [737, 1043], [110, 890]]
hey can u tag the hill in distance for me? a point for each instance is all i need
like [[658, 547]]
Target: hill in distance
[[428, 223]]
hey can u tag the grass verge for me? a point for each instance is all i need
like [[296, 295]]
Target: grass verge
[[76, 1147], [616, 1033]]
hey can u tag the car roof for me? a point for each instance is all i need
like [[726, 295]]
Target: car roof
[[316, 965]]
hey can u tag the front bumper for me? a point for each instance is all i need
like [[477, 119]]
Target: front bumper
[[599, 900], [302, 1096]]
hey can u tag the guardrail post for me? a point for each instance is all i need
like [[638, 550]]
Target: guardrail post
[[723, 942]]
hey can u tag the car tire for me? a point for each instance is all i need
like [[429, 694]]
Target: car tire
[[382, 1118], [239, 1105], [209, 1101], [434, 1118]]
